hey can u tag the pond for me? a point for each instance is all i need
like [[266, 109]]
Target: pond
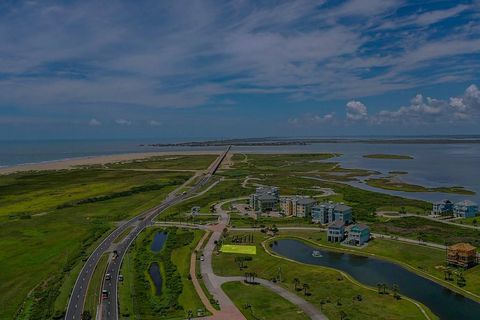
[[158, 241], [445, 303], [156, 276]]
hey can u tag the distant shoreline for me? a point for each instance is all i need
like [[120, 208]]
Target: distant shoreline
[[71, 163], [307, 141]]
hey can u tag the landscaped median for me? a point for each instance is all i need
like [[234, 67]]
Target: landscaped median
[[331, 291]]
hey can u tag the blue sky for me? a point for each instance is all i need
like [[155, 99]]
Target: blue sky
[[115, 69]]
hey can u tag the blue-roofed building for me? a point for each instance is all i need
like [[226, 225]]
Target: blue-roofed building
[[465, 209], [358, 235]]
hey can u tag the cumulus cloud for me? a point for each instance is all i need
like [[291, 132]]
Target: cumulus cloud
[[94, 122], [123, 122], [356, 111], [429, 110]]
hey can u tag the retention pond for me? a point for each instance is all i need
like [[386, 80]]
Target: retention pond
[[444, 302]]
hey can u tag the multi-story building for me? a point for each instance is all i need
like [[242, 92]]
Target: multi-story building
[[462, 255], [442, 207], [297, 206], [358, 235], [264, 199], [465, 209], [328, 212], [336, 231]]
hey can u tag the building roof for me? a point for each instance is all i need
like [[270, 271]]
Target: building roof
[[336, 224], [467, 203], [359, 227], [267, 197], [342, 207], [305, 201], [462, 247]]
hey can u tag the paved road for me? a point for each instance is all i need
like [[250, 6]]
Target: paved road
[[109, 308]]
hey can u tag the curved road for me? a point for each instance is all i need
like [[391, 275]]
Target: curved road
[[109, 309]]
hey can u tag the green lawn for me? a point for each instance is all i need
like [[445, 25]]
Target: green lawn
[[42, 241], [263, 303], [427, 230], [330, 290]]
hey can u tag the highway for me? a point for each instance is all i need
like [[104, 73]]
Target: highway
[[109, 306]]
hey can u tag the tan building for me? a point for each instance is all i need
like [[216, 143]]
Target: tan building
[[297, 206], [462, 255]]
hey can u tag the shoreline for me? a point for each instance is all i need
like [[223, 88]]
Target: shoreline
[[72, 163]]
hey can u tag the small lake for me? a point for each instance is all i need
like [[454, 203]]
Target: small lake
[[156, 276], [158, 241], [445, 303]]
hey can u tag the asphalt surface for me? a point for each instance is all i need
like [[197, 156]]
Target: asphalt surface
[[109, 306]]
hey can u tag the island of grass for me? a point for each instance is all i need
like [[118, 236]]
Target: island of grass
[[388, 156], [336, 295], [397, 185]]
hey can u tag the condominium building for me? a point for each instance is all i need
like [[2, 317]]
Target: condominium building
[[442, 207], [264, 199], [328, 212], [297, 206]]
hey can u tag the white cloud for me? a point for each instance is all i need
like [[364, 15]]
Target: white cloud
[[94, 122], [154, 123], [429, 110], [123, 122], [356, 111], [312, 119]]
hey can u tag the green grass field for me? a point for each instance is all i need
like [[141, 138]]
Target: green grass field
[[51, 220], [330, 290], [263, 303], [238, 249]]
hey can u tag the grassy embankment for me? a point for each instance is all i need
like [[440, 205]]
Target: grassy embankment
[[388, 156], [51, 220], [331, 291], [426, 261], [137, 296], [257, 302], [95, 286], [397, 185]]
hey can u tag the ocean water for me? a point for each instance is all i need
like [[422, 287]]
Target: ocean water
[[434, 165]]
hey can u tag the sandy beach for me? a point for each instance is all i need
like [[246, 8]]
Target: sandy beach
[[74, 162]]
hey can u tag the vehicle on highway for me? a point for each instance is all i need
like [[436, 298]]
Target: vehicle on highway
[[108, 276], [120, 277], [104, 294]]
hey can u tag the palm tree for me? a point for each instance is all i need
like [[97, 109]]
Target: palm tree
[[296, 282], [379, 286], [253, 274], [384, 286], [305, 288], [395, 290]]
